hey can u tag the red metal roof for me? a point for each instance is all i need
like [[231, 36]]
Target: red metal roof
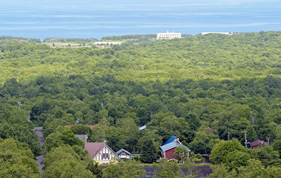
[[94, 148], [257, 142]]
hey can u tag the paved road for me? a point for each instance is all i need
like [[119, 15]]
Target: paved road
[[202, 171], [40, 158]]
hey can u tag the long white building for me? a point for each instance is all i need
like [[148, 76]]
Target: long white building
[[168, 36], [223, 33]]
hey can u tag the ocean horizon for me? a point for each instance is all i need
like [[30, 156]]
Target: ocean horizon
[[92, 19]]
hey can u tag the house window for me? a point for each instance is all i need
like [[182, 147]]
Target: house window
[[105, 156]]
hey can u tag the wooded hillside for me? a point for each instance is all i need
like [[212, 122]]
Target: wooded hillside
[[199, 88]]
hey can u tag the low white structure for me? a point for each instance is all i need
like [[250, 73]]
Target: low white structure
[[108, 43], [101, 152], [223, 33], [168, 36], [142, 127]]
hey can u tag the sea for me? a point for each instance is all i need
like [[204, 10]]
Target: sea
[[97, 19]]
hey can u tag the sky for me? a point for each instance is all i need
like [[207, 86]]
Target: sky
[[158, 5]]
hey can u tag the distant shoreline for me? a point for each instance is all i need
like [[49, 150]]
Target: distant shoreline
[[105, 38]]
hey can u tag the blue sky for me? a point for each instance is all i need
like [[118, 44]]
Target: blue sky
[[138, 5]]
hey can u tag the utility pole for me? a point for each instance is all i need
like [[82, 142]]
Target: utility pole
[[19, 103], [246, 142], [228, 136], [29, 116], [267, 138]]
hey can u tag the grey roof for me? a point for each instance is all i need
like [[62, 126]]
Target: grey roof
[[81, 137], [123, 150], [172, 145]]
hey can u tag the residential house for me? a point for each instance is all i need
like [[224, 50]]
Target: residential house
[[2, 96], [169, 147], [258, 143], [123, 154], [101, 152]]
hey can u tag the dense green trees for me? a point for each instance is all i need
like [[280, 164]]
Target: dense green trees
[[199, 88], [14, 124], [267, 156], [230, 153], [63, 161], [148, 151], [166, 169], [181, 153], [124, 169], [16, 160], [63, 136], [253, 168], [233, 160]]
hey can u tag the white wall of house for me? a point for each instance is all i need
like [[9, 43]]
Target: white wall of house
[[124, 155], [105, 155]]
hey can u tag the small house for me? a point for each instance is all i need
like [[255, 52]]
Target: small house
[[257, 144], [2, 96], [101, 152], [169, 147], [123, 154]]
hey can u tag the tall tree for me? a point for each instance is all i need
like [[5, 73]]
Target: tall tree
[[148, 151]]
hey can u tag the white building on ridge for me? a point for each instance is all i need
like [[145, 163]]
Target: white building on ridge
[[223, 33], [168, 36]]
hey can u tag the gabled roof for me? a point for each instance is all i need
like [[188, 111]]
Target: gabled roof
[[94, 148], [171, 145], [123, 150], [171, 139], [257, 142], [81, 136]]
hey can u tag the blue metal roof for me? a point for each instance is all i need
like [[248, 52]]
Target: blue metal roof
[[171, 139], [172, 145]]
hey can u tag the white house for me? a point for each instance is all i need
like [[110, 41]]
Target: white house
[[101, 152]]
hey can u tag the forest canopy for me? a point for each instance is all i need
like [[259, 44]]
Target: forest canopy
[[199, 88]]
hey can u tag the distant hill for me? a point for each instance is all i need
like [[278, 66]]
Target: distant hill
[[129, 37], [70, 40], [9, 39]]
